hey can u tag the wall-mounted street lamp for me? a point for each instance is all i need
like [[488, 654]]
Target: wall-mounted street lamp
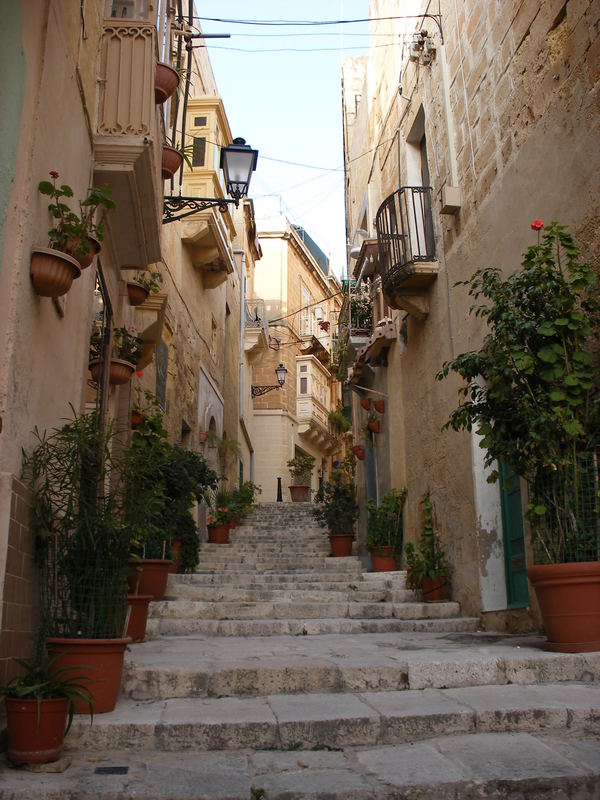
[[238, 162], [281, 372]]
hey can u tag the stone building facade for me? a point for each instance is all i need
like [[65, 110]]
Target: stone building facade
[[494, 106]]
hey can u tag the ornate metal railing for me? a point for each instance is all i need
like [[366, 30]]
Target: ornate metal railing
[[405, 230]]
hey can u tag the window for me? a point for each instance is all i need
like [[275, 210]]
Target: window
[[213, 341], [303, 385], [200, 122], [199, 151]]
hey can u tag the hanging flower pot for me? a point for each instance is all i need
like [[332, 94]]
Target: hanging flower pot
[[137, 418], [172, 160], [218, 534], [166, 80], [137, 293], [359, 451], [373, 425], [84, 255], [32, 740], [379, 406], [365, 403], [120, 371], [52, 271]]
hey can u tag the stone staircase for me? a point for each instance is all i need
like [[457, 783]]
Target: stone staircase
[[277, 672]]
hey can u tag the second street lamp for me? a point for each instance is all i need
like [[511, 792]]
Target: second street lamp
[[238, 162], [281, 372]]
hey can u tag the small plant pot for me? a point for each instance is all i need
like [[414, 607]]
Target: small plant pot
[[434, 590], [52, 271], [171, 161], [138, 615], [166, 81], [203, 437], [149, 576], [379, 406], [84, 260], [341, 544], [359, 451], [383, 559], [30, 742], [218, 534], [373, 426], [120, 371], [137, 419], [137, 293], [299, 494], [365, 403]]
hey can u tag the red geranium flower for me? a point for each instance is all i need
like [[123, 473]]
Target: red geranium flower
[[53, 173], [139, 374], [537, 225]]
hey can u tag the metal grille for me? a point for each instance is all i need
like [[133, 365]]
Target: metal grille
[[405, 229]]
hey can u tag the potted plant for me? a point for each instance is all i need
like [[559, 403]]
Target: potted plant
[[427, 566], [338, 508], [40, 703], [532, 392], [173, 157], [300, 468], [379, 406], [78, 235], [166, 81], [126, 352], [365, 403], [144, 283], [373, 424], [243, 500], [82, 548], [384, 529], [359, 451], [338, 421]]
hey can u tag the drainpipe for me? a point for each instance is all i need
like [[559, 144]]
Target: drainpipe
[[242, 253]]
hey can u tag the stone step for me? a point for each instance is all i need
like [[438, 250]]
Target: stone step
[[217, 593], [200, 666], [511, 766], [288, 610], [367, 719], [304, 627]]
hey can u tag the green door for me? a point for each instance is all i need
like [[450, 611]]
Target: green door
[[514, 543]]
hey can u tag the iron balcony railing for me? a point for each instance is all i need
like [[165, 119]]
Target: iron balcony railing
[[256, 315], [405, 230]]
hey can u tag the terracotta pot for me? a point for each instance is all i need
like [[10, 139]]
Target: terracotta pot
[[341, 544], [120, 371], [149, 576], [299, 494], [203, 437], [171, 161], [137, 418], [365, 403], [359, 451], [166, 80], [218, 534], [383, 559], [137, 293], [52, 272], [175, 556], [72, 247], [379, 406], [102, 660], [434, 589], [28, 742], [373, 426], [138, 615], [569, 598]]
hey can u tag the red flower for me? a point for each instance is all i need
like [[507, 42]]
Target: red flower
[[53, 173], [537, 225], [139, 374]]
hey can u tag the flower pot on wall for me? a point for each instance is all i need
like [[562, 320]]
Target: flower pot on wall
[[73, 248], [137, 418], [299, 494], [166, 81], [120, 371], [137, 293], [373, 426], [359, 451], [365, 403], [341, 544], [379, 406], [52, 271], [569, 599], [30, 742], [172, 160], [383, 559]]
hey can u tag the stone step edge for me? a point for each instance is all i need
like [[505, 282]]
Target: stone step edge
[[365, 719]]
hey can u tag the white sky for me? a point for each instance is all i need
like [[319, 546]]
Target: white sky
[[288, 105]]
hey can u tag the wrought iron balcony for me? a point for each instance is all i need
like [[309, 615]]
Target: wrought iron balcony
[[406, 245]]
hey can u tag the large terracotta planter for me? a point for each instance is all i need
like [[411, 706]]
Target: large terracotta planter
[[299, 494], [52, 272], [166, 80], [138, 615], [383, 559], [149, 576], [569, 599], [28, 742], [434, 590], [137, 293], [341, 544], [218, 534], [120, 371], [171, 161], [102, 662]]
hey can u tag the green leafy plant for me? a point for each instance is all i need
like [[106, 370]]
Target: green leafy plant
[[152, 281], [361, 311], [243, 499], [384, 523], [338, 508], [428, 558], [127, 345], [72, 230], [338, 420], [301, 467]]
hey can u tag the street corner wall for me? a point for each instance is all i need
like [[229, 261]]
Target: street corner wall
[[19, 613]]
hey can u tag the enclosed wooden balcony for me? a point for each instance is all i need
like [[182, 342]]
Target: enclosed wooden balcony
[[312, 398]]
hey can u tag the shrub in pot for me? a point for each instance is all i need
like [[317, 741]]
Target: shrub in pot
[[384, 529], [533, 394], [427, 567], [338, 507], [300, 467]]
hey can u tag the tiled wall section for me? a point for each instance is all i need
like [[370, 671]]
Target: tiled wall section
[[20, 607]]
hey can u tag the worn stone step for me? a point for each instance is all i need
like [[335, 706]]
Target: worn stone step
[[216, 593], [304, 627], [201, 665], [340, 720], [511, 766]]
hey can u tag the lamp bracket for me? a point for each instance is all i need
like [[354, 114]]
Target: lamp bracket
[[257, 391], [174, 204]]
